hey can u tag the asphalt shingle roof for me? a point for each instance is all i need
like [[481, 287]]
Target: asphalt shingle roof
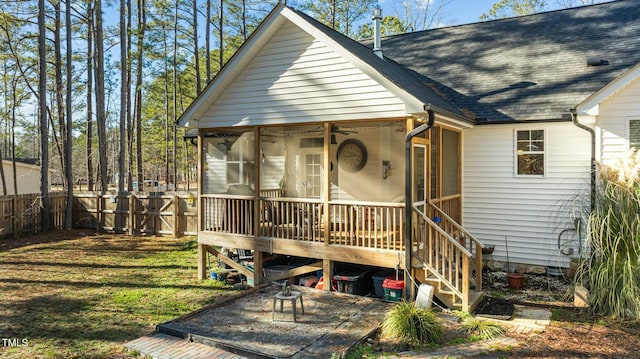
[[526, 68]]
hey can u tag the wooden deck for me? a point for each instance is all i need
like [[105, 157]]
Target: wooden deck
[[365, 233], [164, 346]]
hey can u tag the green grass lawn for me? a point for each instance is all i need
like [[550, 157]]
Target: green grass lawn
[[85, 297]]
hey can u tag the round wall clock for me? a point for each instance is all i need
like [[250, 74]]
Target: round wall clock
[[352, 155]]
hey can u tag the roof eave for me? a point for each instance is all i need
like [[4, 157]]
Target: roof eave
[[591, 106]]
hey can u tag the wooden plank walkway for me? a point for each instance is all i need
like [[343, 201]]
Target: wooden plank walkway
[[163, 346]]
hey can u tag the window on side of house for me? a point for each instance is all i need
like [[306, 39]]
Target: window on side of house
[[530, 149], [634, 134]]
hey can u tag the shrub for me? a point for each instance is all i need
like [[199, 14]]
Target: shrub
[[612, 271], [416, 327], [479, 328]]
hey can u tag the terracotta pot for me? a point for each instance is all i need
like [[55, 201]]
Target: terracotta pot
[[515, 280]]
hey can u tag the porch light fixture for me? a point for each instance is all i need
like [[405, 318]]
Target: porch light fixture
[[334, 141], [386, 169]]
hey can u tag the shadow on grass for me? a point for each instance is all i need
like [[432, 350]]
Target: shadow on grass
[[91, 265], [129, 285], [54, 317]]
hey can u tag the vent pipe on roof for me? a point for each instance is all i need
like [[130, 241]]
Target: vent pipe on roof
[[377, 44], [596, 61]]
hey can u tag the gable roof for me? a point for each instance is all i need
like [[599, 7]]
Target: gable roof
[[529, 68], [386, 72], [525, 68]]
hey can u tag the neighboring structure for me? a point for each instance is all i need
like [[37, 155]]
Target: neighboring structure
[[302, 141], [27, 173]]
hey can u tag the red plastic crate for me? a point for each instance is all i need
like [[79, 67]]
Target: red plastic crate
[[391, 283], [393, 289]]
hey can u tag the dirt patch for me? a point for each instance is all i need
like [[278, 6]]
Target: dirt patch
[[45, 237], [575, 334]]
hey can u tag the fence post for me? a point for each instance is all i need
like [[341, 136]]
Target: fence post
[[98, 212], [176, 215], [14, 216], [132, 214]]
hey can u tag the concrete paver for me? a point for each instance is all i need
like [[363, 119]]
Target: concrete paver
[[526, 320]]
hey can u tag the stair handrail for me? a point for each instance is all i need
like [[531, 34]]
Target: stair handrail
[[464, 293], [472, 241], [459, 227], [453, 241]]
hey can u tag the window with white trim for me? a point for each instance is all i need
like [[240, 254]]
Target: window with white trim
[[530, 152], [634, 134]]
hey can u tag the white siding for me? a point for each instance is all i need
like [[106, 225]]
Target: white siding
[[28, 177], [529, 212], [612, 122], [296, 78]]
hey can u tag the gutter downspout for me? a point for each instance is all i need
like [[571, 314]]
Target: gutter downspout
[[574, 119], [408, 196]]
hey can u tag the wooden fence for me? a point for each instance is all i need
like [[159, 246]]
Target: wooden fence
[[133, 213], [20, 214]]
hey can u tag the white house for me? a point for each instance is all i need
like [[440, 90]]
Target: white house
[[27, 174], [483, 134]]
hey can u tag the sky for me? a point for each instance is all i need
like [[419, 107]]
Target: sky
[[457, 11]]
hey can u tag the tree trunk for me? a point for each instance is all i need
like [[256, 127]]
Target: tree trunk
[[101, 116], [4, 180], [5, 83], [42, 119], [221, 36], [208, 41], [129, 116], [244, 20], [142, 23], [57, 45], [196, 50], [13, 142], [89, 147], [123, 96], [166, 105], [68, 148], [175, 102]]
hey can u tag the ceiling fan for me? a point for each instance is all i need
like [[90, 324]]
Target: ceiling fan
[[336, 129], [225, 146]]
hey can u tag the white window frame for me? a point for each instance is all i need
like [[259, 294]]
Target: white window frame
[[543, 153]]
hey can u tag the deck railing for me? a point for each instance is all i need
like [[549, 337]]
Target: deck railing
[[291, 218], [225, 213], [377, 225]]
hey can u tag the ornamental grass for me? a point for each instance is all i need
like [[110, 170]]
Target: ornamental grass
[[413, 326], [611, 272]]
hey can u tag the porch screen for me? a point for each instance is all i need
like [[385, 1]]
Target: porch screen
[[450, 162], [228, 162]]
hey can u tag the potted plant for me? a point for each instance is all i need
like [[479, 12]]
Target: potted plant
[[514, 279]]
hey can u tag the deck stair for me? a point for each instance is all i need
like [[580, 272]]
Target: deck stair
[[447, 257]]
